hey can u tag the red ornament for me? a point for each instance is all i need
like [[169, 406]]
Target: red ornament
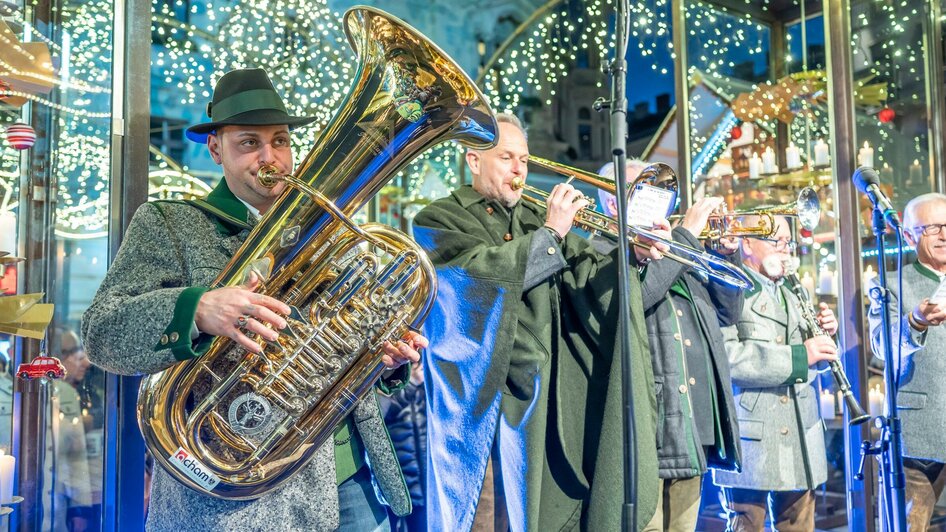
[[21, 136], [886, 115], [805, 233], [736, 132]]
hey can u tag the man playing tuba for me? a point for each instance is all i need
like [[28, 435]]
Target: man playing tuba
[[154, 309]]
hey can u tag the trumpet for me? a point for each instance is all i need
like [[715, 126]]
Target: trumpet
[[806, 207], [659, 175], [807, 309]]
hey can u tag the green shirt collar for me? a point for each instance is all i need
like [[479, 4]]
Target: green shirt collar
[[226, 207], [926, 271]]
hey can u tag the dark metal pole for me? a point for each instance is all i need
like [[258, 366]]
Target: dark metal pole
[[860, 494], [890, 435], [935, 93], [682, 93], [618, 107]]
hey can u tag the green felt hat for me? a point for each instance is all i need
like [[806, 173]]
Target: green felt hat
[[245, 97]]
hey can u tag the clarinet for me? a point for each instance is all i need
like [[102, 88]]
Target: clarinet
[[856, 412]]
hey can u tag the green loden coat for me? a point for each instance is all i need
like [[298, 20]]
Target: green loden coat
[[534, 368]]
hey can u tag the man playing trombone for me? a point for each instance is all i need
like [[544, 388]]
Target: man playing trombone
[[773, 370], [524, 390]]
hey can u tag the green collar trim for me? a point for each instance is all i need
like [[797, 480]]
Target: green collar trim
[[242, 102], [223, 204], [756, 281], [926, 271], [678, 287]]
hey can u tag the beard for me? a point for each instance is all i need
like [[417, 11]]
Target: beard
[[773, 267]]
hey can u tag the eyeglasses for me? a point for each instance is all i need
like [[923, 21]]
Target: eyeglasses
[[929, 229], [778, 243]]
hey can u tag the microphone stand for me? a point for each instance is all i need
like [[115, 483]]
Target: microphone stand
[[889, 445], [618, 109]]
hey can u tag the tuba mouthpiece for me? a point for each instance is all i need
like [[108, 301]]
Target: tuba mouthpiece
[[268, 175]]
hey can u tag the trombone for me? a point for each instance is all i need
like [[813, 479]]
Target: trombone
[[658, 175], [806, 207]]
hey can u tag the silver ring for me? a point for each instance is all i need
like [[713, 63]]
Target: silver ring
[[241, 321]]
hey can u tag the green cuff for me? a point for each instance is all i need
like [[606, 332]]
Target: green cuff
[[349, 451], [177, 335], [397, 380], [799, 365]]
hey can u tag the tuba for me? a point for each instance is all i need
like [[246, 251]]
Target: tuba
[[235, 424]]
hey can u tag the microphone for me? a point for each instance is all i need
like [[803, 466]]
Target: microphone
[[868, 182]]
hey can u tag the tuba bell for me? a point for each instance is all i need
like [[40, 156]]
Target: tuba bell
[[248, 422]]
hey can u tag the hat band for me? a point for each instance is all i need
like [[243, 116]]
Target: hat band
[[242, 102]]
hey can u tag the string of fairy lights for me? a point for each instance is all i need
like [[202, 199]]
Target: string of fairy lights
[[304, 48]]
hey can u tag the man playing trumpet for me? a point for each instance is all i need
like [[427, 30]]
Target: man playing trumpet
[[684, 313], [773, 370]]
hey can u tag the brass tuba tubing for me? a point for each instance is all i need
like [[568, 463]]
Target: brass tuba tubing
[[593, 221]]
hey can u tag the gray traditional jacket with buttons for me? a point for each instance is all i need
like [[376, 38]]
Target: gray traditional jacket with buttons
[[779, 424], [679, 451], [140, 322], [921, 402]]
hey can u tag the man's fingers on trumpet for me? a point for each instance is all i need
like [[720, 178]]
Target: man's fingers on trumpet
[[697, 216]]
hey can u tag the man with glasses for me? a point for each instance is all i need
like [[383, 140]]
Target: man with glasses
[[773, 369], [922, 363]]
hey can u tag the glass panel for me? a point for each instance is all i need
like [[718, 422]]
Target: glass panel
[[57, 76], [893, 130], [758, 117]]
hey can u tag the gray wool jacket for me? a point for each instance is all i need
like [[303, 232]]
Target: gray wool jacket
[[140, 321], [777, 404], [920, 402], [679, 451]]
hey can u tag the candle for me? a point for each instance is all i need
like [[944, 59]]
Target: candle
[[916, 173], [824, 281], [768, 161], [865, 156], [886, 174], [809, 283], [826, 404], [755, 166], [8, 232], [876, 401], [822, 157], [7, 464], [792, 156]]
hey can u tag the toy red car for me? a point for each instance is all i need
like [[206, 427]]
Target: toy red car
[[49, 367]]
